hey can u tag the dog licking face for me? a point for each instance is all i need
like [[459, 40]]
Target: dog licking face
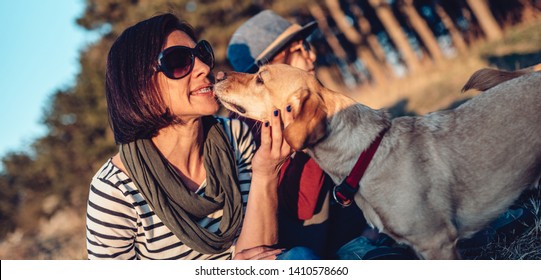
[[257, 95]]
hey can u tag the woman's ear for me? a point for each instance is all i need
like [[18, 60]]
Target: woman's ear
[[309, 124]]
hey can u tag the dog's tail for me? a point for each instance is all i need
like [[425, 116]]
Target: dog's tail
[[485, 79]]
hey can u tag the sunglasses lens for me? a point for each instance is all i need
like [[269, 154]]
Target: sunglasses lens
[[176, 62], [205, 53], [306, 46]]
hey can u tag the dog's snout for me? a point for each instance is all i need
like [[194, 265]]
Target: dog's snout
[[220, 76]]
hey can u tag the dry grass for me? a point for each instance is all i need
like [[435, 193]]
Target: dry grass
[[522, 245]]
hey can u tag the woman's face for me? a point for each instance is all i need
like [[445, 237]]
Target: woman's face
[[191, 96]]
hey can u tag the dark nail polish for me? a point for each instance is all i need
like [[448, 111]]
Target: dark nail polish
[[276, 113], [288, 108], [266, 124]]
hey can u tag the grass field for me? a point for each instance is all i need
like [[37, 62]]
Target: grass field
[[525, 243]]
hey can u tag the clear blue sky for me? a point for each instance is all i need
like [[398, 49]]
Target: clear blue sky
[[39, 49]]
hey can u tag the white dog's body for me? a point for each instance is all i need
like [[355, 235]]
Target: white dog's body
[[435, 178]]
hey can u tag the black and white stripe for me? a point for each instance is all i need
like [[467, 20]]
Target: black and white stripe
[[121, 225]]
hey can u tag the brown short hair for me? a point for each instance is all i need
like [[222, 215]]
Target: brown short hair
[[134, 103]]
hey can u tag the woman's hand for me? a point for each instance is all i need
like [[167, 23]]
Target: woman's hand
[[258, 253], [274, 150], [260, 221]]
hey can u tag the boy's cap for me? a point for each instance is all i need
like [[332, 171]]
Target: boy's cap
[[262, 37]]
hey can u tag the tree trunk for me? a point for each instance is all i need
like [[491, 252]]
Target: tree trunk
[[485, 18], [455, 34], [335, 45], [366, 32], [422, 29], [356, 39], [318, 14], [386, 16]]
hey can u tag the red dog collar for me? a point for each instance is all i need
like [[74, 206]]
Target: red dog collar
[[344, 192]]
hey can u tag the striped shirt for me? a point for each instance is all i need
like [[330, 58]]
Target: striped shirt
[[120, 224]]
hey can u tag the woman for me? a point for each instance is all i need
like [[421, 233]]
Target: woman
[[178, 188]]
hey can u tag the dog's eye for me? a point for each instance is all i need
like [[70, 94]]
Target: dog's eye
[[258, 79]]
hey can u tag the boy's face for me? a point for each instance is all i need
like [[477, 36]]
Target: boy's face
[[299, 54]]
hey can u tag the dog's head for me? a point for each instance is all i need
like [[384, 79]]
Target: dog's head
[[273, 87]]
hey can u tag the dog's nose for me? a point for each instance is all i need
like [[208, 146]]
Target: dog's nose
[[220, 76]]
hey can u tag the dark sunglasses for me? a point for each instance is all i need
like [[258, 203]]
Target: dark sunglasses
[[304, 46], [177, 62]]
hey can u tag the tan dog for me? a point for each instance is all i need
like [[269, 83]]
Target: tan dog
[[435, 178]]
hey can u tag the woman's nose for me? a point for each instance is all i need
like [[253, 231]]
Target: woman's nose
[[200, 67]]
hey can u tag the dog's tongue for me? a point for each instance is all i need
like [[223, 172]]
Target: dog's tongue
[[220, 76]]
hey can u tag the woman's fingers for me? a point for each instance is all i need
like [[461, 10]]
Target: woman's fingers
[[288, 115], [273, 149], [288, 119], [258, 253], [276, 132], [266, 137], [268, 255]]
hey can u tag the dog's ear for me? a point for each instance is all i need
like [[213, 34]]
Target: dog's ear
[[309, 124]]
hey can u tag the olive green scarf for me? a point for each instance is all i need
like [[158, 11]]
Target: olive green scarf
[[177, 206]]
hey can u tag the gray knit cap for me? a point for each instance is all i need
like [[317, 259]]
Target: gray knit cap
[[260, 38]]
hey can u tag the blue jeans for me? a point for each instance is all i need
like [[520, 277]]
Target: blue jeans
[[361, 248], [298, 253], [355, 249]]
